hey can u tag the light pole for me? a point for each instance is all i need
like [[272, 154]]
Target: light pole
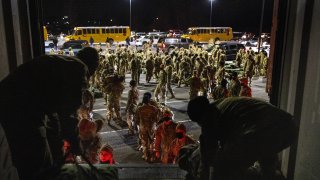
[[130, 15], [211, 13], [261, 24]]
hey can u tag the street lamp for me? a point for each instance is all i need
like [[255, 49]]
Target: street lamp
[[211, 13]]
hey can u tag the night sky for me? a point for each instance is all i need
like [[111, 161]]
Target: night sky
[[241, 15]]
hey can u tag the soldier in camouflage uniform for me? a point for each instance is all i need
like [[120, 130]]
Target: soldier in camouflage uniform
[[149, 68], [264, 66], [182, 139], [220, 72], [162, 82], [139, 68], [184, 67], [199, 64], [204, 83], [146, 118], [123, 66], [235, 85], [133, 97], [169, 70], [248, 68], [220, 91], [114, 97], [157, 64], [165, 134], [134, 68], [239, 57], [195, 85]]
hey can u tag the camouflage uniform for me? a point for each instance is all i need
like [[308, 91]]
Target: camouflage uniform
[[139, 68], [133, 97], [176, 145], [157, 64], [146, 117], [123, 67], [162, 81], [234, 88], [219, 92], [220, 74], [165, 134], [249, 68], [149, 68], [114, 101], [204, 83], [169, 70], [264, 66], [134, 69], [184, 67], [239, 57], [195, 86]]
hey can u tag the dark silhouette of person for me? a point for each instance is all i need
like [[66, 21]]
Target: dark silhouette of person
[[36, 101], [236, 132]]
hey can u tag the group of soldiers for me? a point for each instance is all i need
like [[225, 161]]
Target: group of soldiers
[[204, 72]]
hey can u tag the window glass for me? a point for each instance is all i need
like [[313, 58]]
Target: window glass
[[103, 31], [120, 30], [233, 47], [116, 30], [111, 30], [88, 31], [124, 31], [84, 31], [97, 31], [108, 31], [198, 31]]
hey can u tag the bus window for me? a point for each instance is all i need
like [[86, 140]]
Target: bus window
[[227, 31], [84, 31], [107, 31], [116, 30], [79, 32], [103, 31], [111, 31], [120, 30], [198, 31], [88, 31], [124, 31], [97, 31], [207, 31]]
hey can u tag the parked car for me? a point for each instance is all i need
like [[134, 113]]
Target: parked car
[[231, 48], [170, 43], [48, 45], [175, 33], [76, 45], [146, 39]]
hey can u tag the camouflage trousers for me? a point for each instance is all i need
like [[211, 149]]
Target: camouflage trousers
[[160, 89], [146, 136], [149, 75], [113, 109]]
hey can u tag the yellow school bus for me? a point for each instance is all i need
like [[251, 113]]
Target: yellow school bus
[[101, 34], [205, 34], [45, 33]]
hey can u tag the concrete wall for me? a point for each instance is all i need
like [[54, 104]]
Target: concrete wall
[[4, 65], [299, 92], [308, 152]]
